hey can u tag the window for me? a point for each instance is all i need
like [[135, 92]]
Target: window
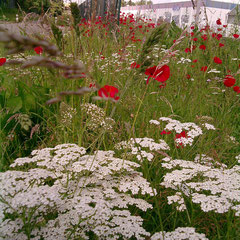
[[176, 19], [184, 19], [167, 16]]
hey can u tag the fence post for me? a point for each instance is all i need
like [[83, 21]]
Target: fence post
[[119, 8]]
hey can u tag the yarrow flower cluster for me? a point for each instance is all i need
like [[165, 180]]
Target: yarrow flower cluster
[[185, 132], [208, 183], [67, 113], [178, 200], [95, 117], [62, 193], [181, 233], [142, 147]]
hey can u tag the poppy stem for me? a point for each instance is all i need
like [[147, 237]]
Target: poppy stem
[[148, 80]]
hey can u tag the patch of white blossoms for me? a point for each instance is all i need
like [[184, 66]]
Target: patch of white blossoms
[[210, 184], [238, 158], [67, 113], [208, 126], [95, 117], [181, 233], [62, 193], [142, 147], [191, 130], [178, 200]]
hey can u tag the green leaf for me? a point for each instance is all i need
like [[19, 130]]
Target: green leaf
[[14, 104]]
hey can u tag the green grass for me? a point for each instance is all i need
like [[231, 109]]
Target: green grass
[[9, 14]]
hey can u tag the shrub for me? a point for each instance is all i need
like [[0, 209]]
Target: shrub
[[36, 6]]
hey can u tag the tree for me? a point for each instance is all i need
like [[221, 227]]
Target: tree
[[149, 2], [123, 3], [131, 3], [141, 2]]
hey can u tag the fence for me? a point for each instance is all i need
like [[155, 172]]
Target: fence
[[93, 8], [7, 3]]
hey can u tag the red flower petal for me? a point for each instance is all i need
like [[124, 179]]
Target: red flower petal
[[229, 81], [38, 50], [187, 50], [235, 35], [217, 60], [162, 74], [203, 47], [135, 65], [2, 61], [219, 22], [204, 69], [108, 92], [236, 89]]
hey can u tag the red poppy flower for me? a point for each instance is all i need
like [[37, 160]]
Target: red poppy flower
[[204, 37], [181, 135], [188, 76], [219, 36], [192, 33], [203, 47], [217, 60], [108, 92], [195, 39], [224, 26], [195, 60], [187, 50], [219, 22], [38, 50], [221, 45], [236, 89], [92, 85], [160, 74], [204, 69], [214, 35], [162, 85], [192, 27], [229, 81], [135, 65], [235, 35], [2, 61], [164, 132]]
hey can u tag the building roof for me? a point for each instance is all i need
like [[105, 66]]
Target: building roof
[[235, 10], [179, 4]]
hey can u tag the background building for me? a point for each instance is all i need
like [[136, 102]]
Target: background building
[[183, 12]]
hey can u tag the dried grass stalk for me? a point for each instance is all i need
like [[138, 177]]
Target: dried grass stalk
[[17, 43]]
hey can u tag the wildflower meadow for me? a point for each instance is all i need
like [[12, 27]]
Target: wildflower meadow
[[119, 129]]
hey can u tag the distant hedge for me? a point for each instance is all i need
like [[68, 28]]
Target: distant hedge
[[36, 6]]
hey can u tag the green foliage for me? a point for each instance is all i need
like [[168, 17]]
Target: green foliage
[[58, 36], [75, 11], [156, 36], [37, 6], [19, 114]]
